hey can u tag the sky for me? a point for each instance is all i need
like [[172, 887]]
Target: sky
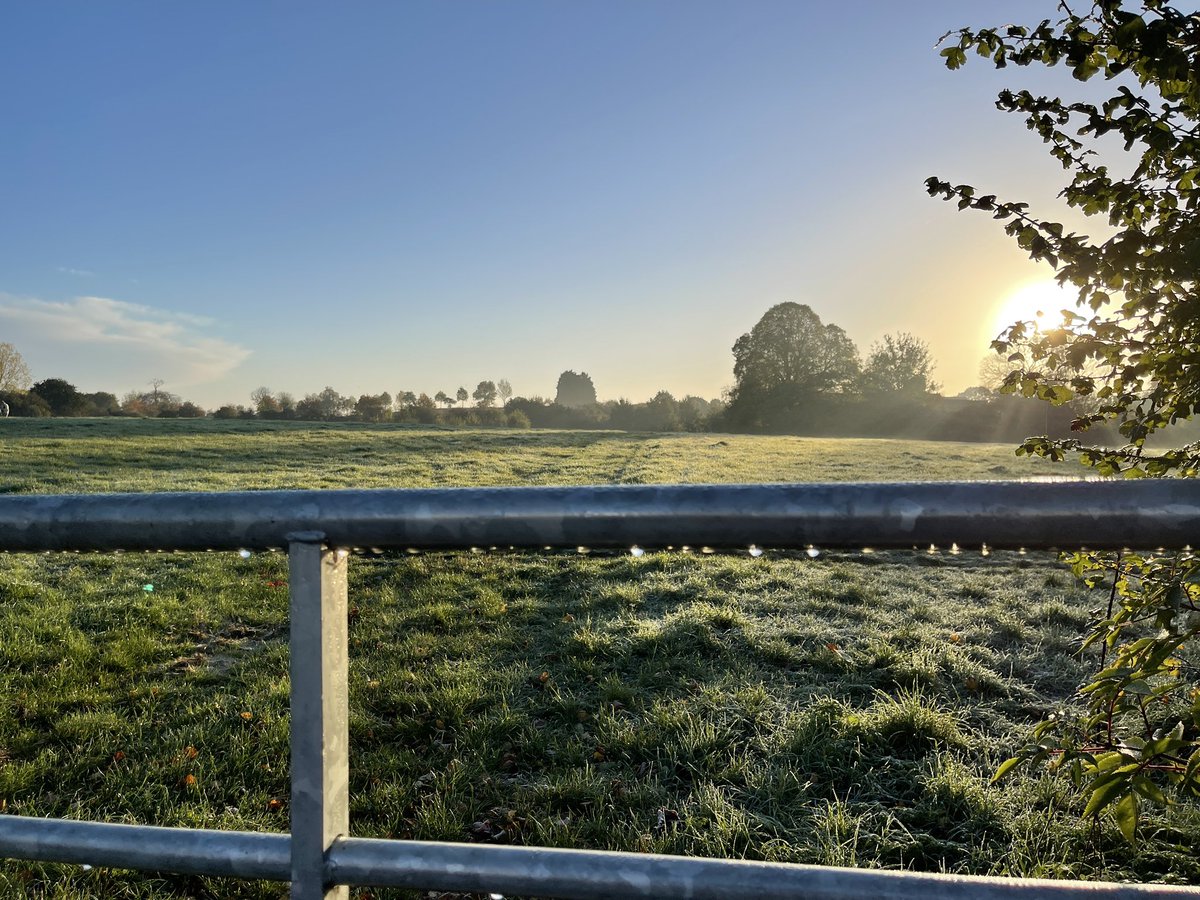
[[391, 196]]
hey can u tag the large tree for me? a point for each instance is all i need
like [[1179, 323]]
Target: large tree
[[14, 374], [791, 346], [264, 402], [575, 389], [899, 364], [1134, 346], [485, 394], [61, 396]]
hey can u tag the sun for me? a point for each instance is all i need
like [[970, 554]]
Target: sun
[[1039, 301]]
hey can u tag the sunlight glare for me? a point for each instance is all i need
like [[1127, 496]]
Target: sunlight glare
[[1038, 301]]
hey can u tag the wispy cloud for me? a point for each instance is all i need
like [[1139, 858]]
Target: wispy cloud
[[82, 273], [113, 338]]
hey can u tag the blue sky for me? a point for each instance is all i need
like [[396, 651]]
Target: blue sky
[[417, 196]]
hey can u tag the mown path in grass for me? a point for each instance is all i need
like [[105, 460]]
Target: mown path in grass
[[847, 709]]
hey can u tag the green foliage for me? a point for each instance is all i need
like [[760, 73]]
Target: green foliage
[[485, 394], [1132, 348], [899, 364], [61, 396], [791, 346], [1141, 726]]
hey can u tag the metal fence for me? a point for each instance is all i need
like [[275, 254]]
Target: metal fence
[[318, 528]]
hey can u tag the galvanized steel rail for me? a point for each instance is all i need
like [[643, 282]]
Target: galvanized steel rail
[[320, 859], [1001, 514]]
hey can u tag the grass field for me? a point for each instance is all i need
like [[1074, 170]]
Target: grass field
[[847, 709]]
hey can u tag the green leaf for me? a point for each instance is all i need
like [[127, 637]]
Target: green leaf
[[1149, 790], [1007, 766], [954, 57], [1126, 814], [1109, 789]]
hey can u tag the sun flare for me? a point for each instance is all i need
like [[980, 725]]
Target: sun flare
[[1038, 301]]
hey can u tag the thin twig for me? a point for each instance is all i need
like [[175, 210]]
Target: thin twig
[[1112, 597]]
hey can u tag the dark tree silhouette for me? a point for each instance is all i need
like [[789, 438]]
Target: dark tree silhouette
[[485, 394], [791, 346], [61, 396], [575, 389]]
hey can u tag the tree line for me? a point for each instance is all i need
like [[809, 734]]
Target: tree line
[[490, 404], [793, 374]]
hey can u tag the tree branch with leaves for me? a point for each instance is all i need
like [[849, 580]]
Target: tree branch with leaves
[[1133, 348]]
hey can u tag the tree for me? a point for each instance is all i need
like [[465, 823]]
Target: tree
[[374, 407], [265, 403], [61, 396], [308, 408], [1138, 325], [978, 393], [993, 371], [504, 389], [25, 403], [791, 346], [151, 403], [899, 364], [485, 394], [328, 404], [444, 399], [14, 374], [101, 403], [461, 395], [575, 390], [425, 409], [189, 410]]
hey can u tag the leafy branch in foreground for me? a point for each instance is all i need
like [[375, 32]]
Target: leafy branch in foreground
[[1132, 349]]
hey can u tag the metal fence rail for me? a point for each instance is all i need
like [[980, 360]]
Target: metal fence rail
[[320, 858], [1012, 514]]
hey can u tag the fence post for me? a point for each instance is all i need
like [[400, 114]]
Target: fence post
[[320, 733]]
